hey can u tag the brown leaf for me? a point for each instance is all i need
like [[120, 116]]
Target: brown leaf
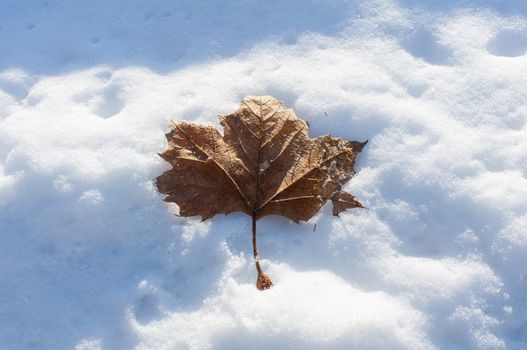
[[264, 164]]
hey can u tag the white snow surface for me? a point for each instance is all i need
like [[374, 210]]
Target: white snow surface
[[91, 257]]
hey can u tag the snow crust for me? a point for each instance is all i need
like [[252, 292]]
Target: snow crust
[[91, 257]]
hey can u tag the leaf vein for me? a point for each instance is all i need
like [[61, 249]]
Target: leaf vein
[[215, 162]]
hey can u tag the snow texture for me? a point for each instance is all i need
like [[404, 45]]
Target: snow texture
[[91, 257]]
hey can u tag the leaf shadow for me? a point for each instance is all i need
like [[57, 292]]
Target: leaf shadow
[[305, 247]]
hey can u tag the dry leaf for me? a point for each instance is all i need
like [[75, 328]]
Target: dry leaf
[[264, 164]]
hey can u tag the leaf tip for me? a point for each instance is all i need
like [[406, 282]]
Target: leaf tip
[[359, 145]]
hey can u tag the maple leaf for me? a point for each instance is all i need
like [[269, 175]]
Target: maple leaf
[[264, 164]]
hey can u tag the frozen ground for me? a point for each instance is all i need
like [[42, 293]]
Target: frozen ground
[[91, 258]]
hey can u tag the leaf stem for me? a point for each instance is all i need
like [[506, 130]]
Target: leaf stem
[[263, 282], [255, 248]]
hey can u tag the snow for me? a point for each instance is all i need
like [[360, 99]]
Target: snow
[[92, 258]]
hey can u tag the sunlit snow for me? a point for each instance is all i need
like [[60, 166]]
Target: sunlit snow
[[91, 257]]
